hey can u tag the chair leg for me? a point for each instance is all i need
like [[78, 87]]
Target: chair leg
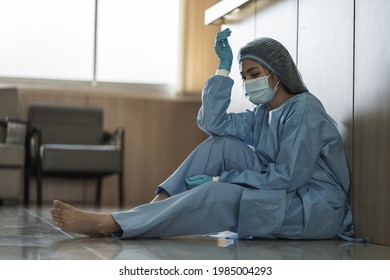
[[98, 191], [120, 190], [39, 187], [26, 192]]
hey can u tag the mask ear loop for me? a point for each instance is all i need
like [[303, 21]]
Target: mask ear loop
[[276, 86]]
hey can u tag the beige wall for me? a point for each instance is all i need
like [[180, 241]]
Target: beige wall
[[341, 48]]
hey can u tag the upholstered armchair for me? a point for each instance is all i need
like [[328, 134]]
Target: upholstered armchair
[[12, 150], [69, 141]]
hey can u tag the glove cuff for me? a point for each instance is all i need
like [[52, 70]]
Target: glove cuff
[[222, 72]]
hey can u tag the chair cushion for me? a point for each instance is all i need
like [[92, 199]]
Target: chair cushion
[[8, 107], [67, 124], [8, 102], [11, 155], [80, 158]]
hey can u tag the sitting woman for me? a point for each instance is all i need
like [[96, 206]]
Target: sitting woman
[[277, 171]]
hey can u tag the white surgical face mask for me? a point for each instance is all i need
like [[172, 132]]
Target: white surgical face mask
[[258, 91]]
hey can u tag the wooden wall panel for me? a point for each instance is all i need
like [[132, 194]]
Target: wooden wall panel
[[372, 121]]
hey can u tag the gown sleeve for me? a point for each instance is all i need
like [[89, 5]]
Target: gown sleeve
[[213, 117]]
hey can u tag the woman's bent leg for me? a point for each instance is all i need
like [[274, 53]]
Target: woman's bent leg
[[212, 157]]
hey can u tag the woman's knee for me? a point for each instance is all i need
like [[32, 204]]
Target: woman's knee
[[224, 139], [227, 143]]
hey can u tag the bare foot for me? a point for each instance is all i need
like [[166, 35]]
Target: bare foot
[[74, 220]]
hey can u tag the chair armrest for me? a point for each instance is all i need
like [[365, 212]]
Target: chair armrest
[[16, 130], [4, 122], [16, 120], [116, 138], [119, 136], [34, 141]]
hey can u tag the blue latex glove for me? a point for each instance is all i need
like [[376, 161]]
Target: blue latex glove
[[197, 180], [223, 50]]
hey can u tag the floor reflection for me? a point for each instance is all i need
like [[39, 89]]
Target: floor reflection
[[29, 234], [200, 248]]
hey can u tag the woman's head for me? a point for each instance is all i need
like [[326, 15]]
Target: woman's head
[[274, 56]]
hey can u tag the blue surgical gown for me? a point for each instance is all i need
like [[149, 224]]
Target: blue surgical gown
[[301, 164], [283, 174]]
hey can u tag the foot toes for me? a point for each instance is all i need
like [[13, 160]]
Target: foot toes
[[57, 204], [54, 210]]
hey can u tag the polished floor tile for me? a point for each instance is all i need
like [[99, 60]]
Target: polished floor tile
[[28, 233]]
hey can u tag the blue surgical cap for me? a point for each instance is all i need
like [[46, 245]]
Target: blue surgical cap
[[276, 58]]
